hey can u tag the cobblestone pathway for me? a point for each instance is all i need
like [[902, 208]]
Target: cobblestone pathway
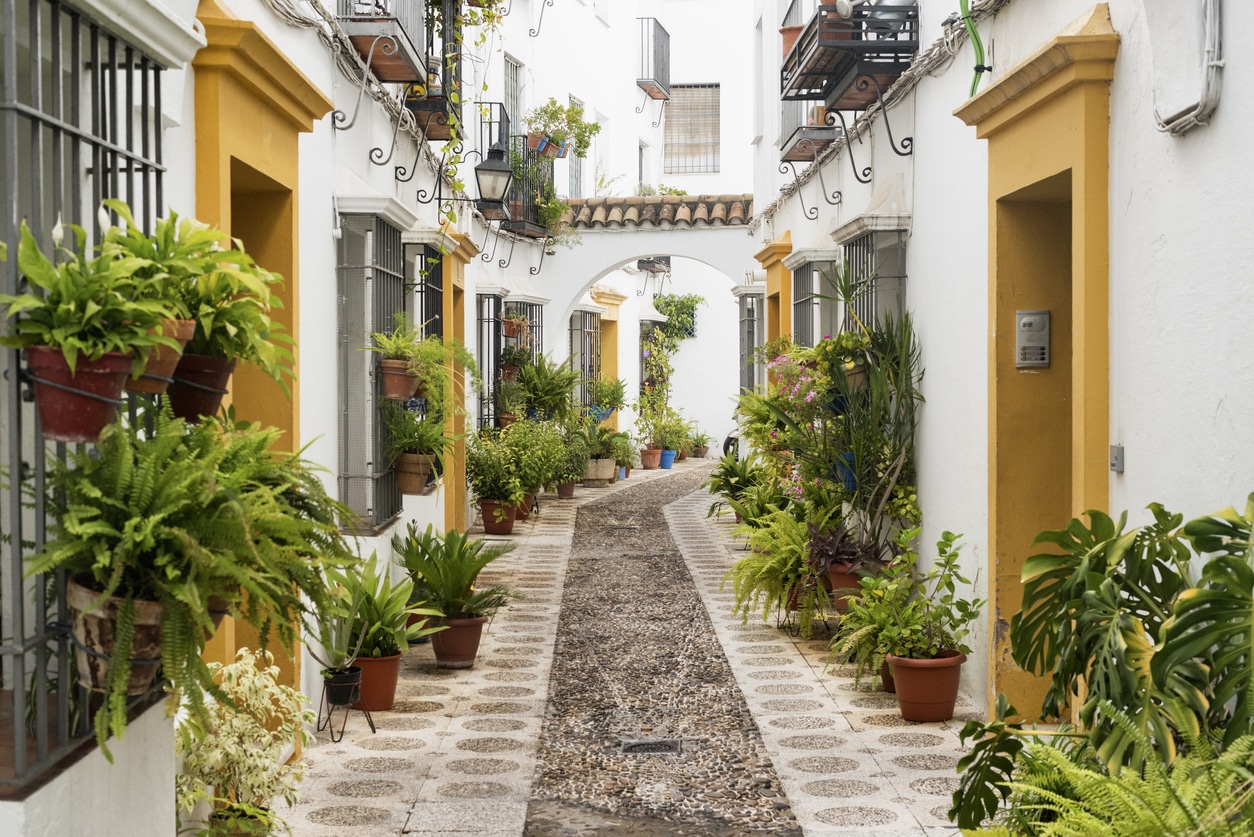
[[624, 637]]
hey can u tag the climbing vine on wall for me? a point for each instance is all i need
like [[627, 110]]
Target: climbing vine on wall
[[681, 314]]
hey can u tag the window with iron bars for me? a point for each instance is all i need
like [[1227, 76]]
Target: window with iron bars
[[513, 91], [815, 314], [877, 263], [585, 351], [574, 186], [692, 129], [80, 121], [492, 340], [372, 277], [752, 335]]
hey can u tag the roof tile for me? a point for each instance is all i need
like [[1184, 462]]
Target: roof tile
[[661, 210]]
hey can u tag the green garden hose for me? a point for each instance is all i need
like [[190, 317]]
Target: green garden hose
[[976, 44]]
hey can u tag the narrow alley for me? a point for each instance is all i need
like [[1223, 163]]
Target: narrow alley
[[621, 697]]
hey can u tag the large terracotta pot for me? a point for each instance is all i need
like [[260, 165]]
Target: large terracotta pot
[[843, 584], [790, 35], [76, 407], [96, 629], [523, 512], [650, 458], [494, 523], [886, 678], [457, 645], [399, 384], [162, 360], [198, 386], [378, 682], [565, 490], [599, 473], [412, 470], [927, 689]]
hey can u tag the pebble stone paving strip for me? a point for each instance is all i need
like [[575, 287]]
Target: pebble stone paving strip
[[462, 752]]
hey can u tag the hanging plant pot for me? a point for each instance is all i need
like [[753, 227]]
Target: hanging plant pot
[[378, 682], [650, 458], [510, 373], [342, 688], [535, 142], [412, 470], [668, 458], [550, 148], [399, 384], [565, 490], [856, 377], [198, 386], [927, 689], [511, 328], [498, 517], [505, 419], [163, 360], [563, 149], [600, 413], [95, 629], [76, 407], [457, 645]]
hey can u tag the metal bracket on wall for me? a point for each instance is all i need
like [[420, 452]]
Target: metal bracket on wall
[[811, 212], [665, 104], [495, 232], [390, 47], [863, 84], [548, 242], [504, 263], [536, 32], [376, 153], [832, 116]]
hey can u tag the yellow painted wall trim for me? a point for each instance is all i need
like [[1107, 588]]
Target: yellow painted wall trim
[[1083, 52], [238, 48], [775, 251], [610, 301]]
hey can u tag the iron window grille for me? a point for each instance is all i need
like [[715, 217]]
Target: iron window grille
[[372, 279], [513, 90], [877, 262], [692, 129], [574, 184], [491, 341], [752, 335], [427, 268], [79, 122], [815, 313], [585, 351]]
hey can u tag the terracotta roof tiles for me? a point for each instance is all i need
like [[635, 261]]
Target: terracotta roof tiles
[[662, 210]]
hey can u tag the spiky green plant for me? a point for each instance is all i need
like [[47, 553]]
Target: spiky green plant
[[445, 569]]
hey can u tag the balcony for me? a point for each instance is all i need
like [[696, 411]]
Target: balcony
[[655, 59], [432, 97], [532, 172], [833, 57], [804, 132], [387, 33]]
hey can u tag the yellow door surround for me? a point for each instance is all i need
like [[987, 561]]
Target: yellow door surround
[[1047, 124], [778, 286]]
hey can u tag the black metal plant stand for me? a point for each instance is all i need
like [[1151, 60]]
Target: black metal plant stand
[[328, 723]]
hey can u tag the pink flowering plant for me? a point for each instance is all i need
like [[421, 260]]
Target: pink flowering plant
[[799, 389]]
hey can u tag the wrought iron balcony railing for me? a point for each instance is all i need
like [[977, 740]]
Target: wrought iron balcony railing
[[655, 59], [389, 34]]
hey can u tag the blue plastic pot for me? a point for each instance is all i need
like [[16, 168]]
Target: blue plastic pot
[[622, 472], [845, 472], [600, 413], [668, 458]]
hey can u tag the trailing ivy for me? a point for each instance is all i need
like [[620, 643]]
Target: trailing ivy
[[681, 316]]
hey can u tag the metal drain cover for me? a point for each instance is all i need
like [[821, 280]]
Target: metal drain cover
[[655, 747]]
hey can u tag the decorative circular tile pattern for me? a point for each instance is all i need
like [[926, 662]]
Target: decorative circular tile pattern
[[517, 629], [509, 662], [935, 785], [784, 689], [489, 745], [520, 639], [524, 617], [378, 765], [823, 764], [941, 813], [519, 650], [812, 742], [888, 721], [855, 816], [507, 691], [498, 707], [366, 788], [843, 671], [875, 702], [791, 705], [801, 722], [348, 815], [821, 645], [493, 724], [774, 675], [767, 661], [927, 761], [390, 742], [473, 790], [482, 767], [739, 627], [510, 676], [758, 638], [411, 706], [422, 689], [389, 722], [911, 739], [839, 788], [865, 686], [761, 649]]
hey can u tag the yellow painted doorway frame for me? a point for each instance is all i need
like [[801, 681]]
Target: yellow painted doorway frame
[[1047, 125]]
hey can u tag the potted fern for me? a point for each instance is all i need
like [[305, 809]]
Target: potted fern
[[605, 396], [396, 356]]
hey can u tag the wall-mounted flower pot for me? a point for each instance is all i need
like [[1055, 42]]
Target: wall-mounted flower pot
[[163, 360], [856, 376], [650, 458], [457, 645], [198, 386], [399, 384], [95, 628], [790, 35], [927, 690], [511, 328], [505, 419], [343, 688], [378, 682], [600, 413], [510, 373], [76, 407], [668, 458], [412, 470], [498, 518]]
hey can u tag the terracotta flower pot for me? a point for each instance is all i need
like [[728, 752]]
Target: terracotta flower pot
[[494, 523], [399, 384], [505, 419], [700, 451], [843, 585], [96, 628], [790, 35], [927, 689], [76, 407], [412, 470], [198, 386], [523, 512], [510, 373], [378, 682], [886, 678], [511, 328], [457, 645], [565, 490], [162, 360], [650, 458]]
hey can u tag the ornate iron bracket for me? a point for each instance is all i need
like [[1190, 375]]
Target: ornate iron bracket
[[495, 232], [811, 212], [444, 171], [536, 32], [665, 104], [836, 197], [503, 263], [376, 153], [548, 241], [863, 84], [832, 115], [645, 103], [390, 47]]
